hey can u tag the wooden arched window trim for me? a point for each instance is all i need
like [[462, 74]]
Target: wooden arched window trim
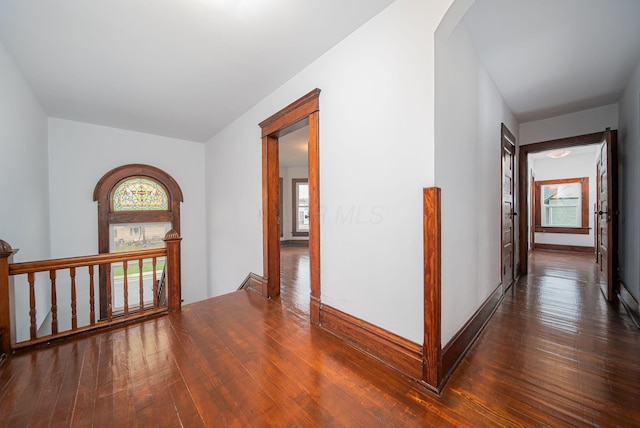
[[106, 216]]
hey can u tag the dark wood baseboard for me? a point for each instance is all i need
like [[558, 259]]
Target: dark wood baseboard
[[571, 248], [295, 243], [254, 282], [630, 303], [397, 352], [457, 347]]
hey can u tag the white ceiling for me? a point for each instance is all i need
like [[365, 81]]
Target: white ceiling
[[187, 68], [178, 68], [551, 57], [589, 149], [293, 148]]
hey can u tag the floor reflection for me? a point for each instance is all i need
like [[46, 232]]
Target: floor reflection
[[295, 287]]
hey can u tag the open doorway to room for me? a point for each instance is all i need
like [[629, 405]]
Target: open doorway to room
[[293, 156], [302, 113], [568, 188]]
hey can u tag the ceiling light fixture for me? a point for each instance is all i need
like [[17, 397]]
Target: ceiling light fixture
[[558, 154]]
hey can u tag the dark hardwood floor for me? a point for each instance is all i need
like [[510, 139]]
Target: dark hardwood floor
[[554, 354], [295, 286]]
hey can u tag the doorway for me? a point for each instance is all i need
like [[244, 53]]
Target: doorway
[[293, 154], [300, 114], [605, 224]]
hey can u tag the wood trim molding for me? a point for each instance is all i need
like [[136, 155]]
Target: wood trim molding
[[523, 171], [630, 303], [304, 111], [105, 186], [395, 351], [291, 114], [102, 194], [572, 248], [314, 213], [432, 346], [556, 229], [455, 350], [254, 282], [583, 229]]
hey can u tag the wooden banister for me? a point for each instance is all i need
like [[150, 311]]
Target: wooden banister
[[7, 321], [174, 293], [97, 259], [63, 273]]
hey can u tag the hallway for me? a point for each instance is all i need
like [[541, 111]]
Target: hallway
[[554, 354]]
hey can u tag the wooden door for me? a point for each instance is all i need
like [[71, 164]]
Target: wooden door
[[607, 213], [508, 205]]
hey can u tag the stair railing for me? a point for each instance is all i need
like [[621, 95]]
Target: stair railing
[[68, 278]]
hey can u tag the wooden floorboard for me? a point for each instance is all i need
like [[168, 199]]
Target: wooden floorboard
[[554, 354]]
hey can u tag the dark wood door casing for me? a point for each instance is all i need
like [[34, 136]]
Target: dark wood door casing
[[302, 112], [523, 168], [102, 194]]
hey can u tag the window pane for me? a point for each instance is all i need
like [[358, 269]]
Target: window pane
[[301, 206], [303, 219], [137, 236], [140, 194], [132, 237], [303, 194], [561, 204]]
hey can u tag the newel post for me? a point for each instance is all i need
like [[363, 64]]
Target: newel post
[[173, 278], [7, 316]]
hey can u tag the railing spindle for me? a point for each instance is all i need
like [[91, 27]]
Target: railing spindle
[[54, 302], [155, 283], [113, 315], [125, 266], [92, 299], [74, 310], [109, 293], [140, 265], [33, 330]]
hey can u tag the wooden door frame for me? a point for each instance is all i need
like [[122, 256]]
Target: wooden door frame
[[302, 112], [523, 168], [506, 136]]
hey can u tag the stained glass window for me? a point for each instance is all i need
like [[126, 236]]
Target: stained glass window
[[140, 194]]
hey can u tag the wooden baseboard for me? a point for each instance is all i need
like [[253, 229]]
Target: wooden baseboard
[[630, 303], [397, 352], [295, 243], [458, 346], [571, 248], [254, 282]]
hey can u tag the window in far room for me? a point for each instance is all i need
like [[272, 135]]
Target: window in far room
[[300, 204], [562, 206]]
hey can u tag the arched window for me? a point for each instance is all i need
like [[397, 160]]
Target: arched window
[[137, 205]]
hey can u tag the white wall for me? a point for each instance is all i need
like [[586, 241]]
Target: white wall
[[24, 201], [23, 164], [468, 151], [80, 154], [376, 155], [288, 174], [629, 177], [569, 125], [574, 166]]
